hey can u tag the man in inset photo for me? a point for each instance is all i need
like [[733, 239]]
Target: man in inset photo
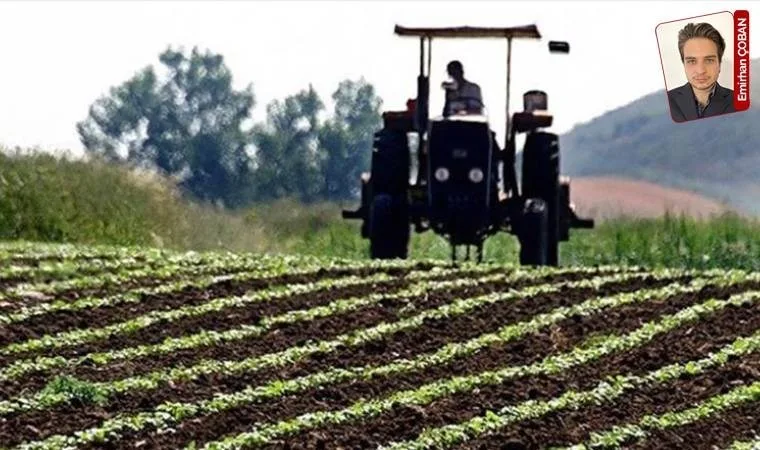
[[701, 47]]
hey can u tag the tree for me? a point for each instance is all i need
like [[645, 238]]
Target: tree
[[346, 139], [116, 124], [188, 126], [287, 147]]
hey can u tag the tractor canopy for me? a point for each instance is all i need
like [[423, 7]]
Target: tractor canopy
[[419, 112], [527, 31]]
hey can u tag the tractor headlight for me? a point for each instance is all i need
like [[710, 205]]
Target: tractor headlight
[[442, 174], [476, 175]]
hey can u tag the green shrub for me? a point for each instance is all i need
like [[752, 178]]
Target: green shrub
[[56, 199]]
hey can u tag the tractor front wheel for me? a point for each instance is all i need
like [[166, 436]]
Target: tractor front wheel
[[389, 227], [534, 235]]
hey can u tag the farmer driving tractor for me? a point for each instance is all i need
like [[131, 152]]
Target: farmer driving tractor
[[462, 95]]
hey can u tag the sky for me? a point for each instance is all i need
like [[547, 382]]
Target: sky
[[58, 57]]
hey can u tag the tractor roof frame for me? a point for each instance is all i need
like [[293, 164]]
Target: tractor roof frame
[[527, 31], [468, 32]]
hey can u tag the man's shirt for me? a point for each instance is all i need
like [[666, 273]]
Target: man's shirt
[[700, 107], [466, 97]]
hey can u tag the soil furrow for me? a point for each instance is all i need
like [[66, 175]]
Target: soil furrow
[[567, 428], [63, 321], [719, 431], [344, 394], [17, 302], [190, 296], [7, 282], [247, 316], [279, 338], [686, 343], [72, 418], [437, 333]]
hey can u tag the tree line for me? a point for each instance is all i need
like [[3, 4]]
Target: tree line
[[193, 126]]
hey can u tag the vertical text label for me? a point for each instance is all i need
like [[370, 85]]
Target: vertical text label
[[741, 60]]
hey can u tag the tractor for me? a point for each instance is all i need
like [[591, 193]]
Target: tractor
[[466, 187]]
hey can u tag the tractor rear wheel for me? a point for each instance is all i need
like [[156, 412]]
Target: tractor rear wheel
[[389, 227], [534, 235]]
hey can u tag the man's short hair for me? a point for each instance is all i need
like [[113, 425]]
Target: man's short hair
[[701, 30], [455, 67]]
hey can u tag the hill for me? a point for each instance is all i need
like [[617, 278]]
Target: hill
[[717, 157], [607, 197]]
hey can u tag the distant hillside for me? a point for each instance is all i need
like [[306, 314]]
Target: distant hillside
[[612, 197], [718, 157]]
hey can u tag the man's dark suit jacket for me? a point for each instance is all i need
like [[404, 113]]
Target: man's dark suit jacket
[[683, 105]]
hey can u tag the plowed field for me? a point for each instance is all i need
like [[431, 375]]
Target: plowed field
[[104, 348]]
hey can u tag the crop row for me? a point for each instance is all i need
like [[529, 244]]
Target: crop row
[[746, 445], [327, 277], [138, 294], [156, 379], [193, 264], [706, 409], [65, 269], [39, 251], [456, 433], [169, 413], [34, 251], [80, 336], [606, 391], [283, 337], [457, 350], [206, 338], [121, 273], [184, 264]]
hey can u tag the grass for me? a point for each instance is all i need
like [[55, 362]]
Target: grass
[[55, 199], [44, 197], [725, 241]]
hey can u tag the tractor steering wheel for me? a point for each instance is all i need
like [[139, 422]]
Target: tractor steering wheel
[[468, 109]]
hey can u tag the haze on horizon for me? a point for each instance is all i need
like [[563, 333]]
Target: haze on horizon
[[60, 56]]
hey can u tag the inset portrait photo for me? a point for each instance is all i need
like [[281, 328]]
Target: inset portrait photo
[[697, 56]]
